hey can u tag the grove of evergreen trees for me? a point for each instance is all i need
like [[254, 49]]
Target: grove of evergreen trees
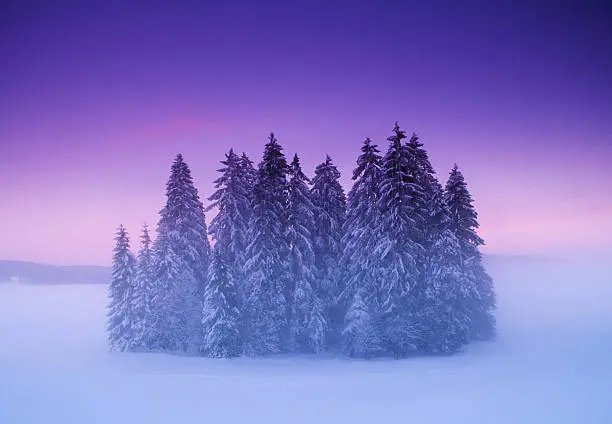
[[391, 269]]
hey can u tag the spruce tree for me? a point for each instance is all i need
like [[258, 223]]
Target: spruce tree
[[358, 298], [330, 214], [398, 248], [308, 322], [143, 291], [463, 224], [183, 236], [120, 323], [265, 268], [221, 314]]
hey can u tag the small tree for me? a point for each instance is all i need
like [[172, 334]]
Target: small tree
[[120, 324], [143, 291], [221, 316], [172, 300], [360, 336]]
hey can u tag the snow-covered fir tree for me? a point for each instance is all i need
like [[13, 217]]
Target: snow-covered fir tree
[[183, 219], [182, 235], [266, 270], [221, 319], [397, 248], [120, 323], [142, 291], [424, 203], [464, 223], [329, 202], [229, 227], [308, 321], [360, 282]]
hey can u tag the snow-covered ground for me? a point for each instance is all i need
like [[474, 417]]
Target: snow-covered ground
[[552, 364]]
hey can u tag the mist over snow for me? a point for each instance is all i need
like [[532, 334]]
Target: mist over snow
[[549, 364]]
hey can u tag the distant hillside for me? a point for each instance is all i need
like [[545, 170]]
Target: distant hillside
[[33, 273]]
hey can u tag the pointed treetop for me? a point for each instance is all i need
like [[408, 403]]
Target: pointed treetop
[[122, 238], [327, 166], [145, 237], [295, 161], [414, 141], [369, 157], [295, 169], [369, 146], [272, 139], [399, 134]]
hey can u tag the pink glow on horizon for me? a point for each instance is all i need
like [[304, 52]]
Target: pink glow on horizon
[[75, 216]]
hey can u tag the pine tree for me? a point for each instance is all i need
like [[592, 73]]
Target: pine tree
[[360, 282], [183, 236], [330, 214], [221, 314], [143, 291], [265, 268], [463, 224], [120, 324], [398, 249], [308, 322]]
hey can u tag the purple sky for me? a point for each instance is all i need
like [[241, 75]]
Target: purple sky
[[96, 101]]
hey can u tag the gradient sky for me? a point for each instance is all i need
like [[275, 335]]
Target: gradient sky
[[97, 100]]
